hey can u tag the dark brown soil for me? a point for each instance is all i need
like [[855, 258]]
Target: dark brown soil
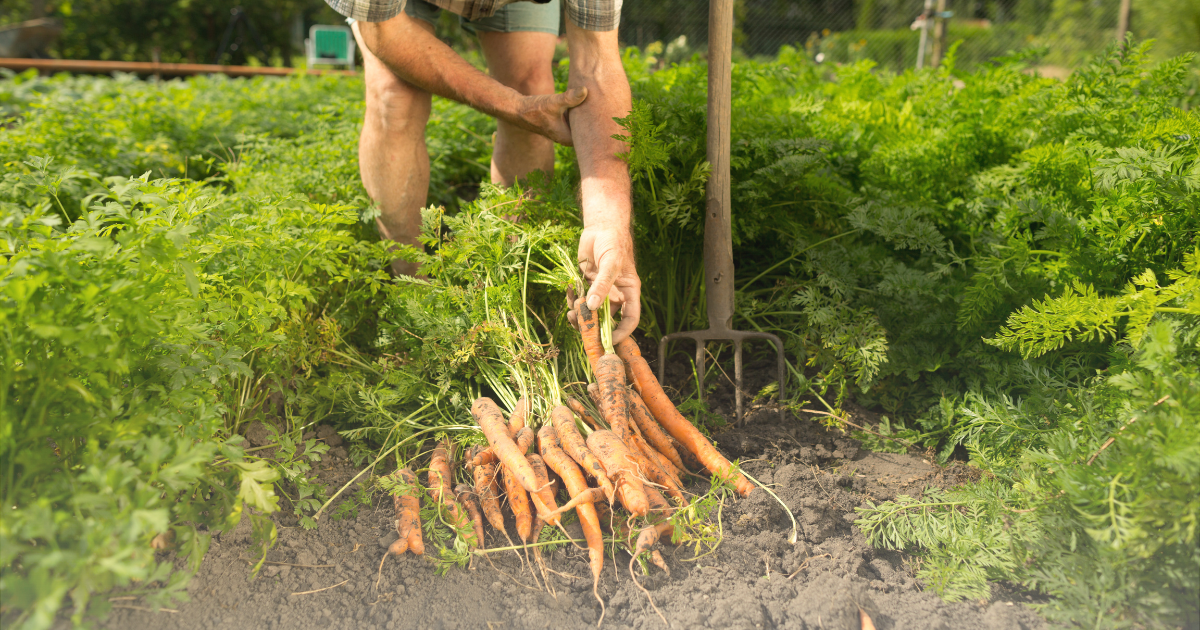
[[745, 584], [755, 579]]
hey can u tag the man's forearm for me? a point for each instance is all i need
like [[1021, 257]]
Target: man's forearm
[[596, 65], [421, 59]]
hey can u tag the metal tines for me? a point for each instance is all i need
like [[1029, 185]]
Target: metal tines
[[718, 234]]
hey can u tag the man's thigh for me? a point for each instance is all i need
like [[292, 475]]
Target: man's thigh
[[518, 43], [381, 83]]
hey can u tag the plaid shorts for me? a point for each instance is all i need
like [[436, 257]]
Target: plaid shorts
[[591, 15]]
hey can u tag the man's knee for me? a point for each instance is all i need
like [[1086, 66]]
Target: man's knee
[[529, 81], [397, 105]]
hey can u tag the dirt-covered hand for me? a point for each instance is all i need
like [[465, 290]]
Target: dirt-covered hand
[[606, 260], [546, 114]]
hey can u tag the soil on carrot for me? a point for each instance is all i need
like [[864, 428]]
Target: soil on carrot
[[755, 579]]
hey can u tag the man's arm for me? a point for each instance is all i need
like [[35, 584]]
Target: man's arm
[[606, 245], [421, 59]]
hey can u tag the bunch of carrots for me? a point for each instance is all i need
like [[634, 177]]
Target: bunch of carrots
[[636, 451]]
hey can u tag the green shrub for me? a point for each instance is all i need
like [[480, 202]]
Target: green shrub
[[148, 321]]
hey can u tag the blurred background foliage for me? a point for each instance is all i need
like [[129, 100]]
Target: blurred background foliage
[[838, 31]]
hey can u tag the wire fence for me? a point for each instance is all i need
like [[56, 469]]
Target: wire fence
[[901, 34]]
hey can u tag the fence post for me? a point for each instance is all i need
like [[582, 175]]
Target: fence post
[[1123, 20], [924, 34], [939, 34]]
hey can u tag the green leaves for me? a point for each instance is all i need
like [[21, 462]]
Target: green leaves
[[1080, 314]]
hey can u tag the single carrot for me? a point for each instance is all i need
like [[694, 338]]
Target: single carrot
[[648, 536], [658, 504], [589, 329], [489, 418], [518, 502], [489, 494], [544, 492], [439, 486], [658, 561], [558, 461], [466, 497], [689, 458], [535, 532], [628, 346], [516, 420], [439, 472], [573, 444], [669, 417], [481, 455], [524, 438], [408, 516], [582, 412], [614, 455], [610, 391], [652, 430]]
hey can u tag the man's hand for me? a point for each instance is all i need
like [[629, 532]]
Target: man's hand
[[418, 57], [606, 260], [546, 114]]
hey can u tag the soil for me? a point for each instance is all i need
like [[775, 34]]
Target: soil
[[755, 579]]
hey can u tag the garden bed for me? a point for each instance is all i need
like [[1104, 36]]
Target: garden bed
[[755, 579]]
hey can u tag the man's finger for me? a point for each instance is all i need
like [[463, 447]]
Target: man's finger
[[601, 286], [631, 313], [574, 97]]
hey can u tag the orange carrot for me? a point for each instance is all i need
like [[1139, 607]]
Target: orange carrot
[[658, 561], [489, 418], [524, 438], [619, 528], [591, 495], [518, 502], [408, 516], [439, 486], [614, 455], [610, 394], [669, 417], [650, 535], [589, 520], [658, 504], [466, 497], [660, 461], [516, 420], [439, 472], [589, 329], [481, 455], [573, 444], [544, 492], [689, 458], [651, 471], [582, 412], [653, 431], [489, 494]]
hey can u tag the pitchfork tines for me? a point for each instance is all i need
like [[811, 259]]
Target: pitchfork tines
[[718, 233]]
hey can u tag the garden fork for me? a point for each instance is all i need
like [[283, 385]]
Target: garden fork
[[718, 234]]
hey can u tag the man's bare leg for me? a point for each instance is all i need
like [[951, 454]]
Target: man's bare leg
[[392, 157], [521, 61]]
